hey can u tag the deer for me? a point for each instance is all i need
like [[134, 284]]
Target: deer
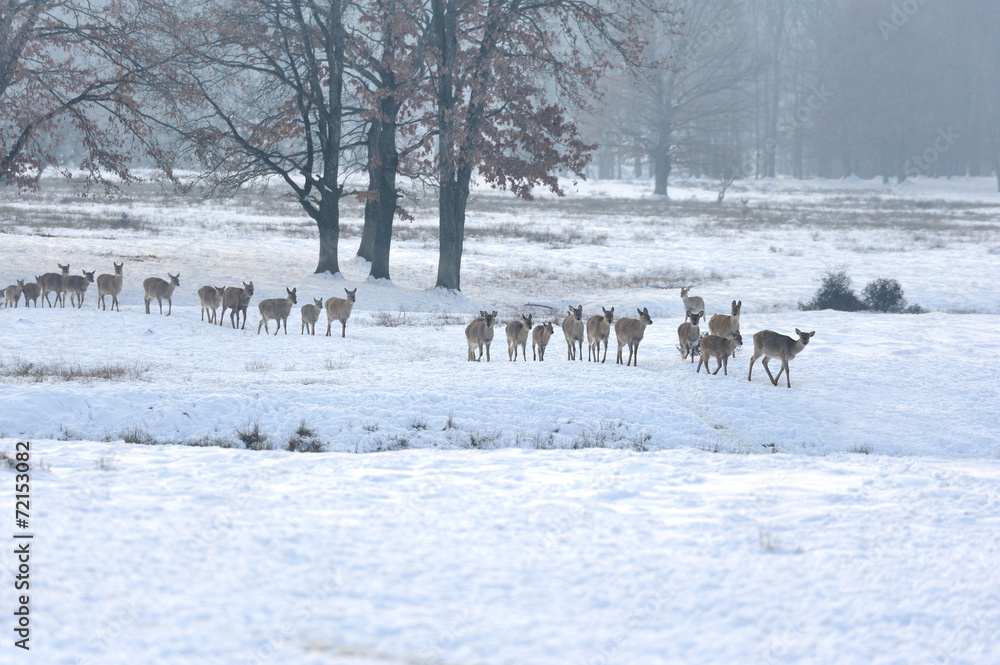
[[598, 330], [540, 337], [236, 300], [31, 291], [572, 328], [689, 335], [726, 326], [53, 282], [630, 332], [154, 287], [110, 285], [517, 335], [339, 309], [77, 286], [692, 304], [479, 333], [277, 309], [210, 298], [745, 208], [770, 344], [12, 294], [310, 315], [715, 346]]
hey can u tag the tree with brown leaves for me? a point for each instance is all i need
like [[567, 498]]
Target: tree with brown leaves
[[64, 76], [506, 76]]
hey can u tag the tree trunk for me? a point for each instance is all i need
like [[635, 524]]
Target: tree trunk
[[367, 248], [452, 220], [384, 170], [328, 222], [661, 165], [637, 169]]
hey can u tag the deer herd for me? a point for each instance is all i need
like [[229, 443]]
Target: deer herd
[[720, 343]]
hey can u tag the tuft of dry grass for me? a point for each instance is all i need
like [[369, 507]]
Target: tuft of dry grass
[[253, 438], [389, 319], [17, 368]]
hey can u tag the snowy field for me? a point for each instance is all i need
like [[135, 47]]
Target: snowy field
[[550, 512]]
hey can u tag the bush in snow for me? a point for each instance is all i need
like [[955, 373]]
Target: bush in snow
[[305, 440], [254, 439], [884, 295], [835, 293]]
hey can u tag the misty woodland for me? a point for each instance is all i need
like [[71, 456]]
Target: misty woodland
[[305, 94]]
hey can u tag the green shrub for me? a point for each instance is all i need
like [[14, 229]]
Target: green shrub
[[835, 292], [884, 295]]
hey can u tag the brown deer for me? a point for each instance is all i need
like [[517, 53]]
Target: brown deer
[[310, 315], [540, 337], [770, 344], [277, 309], [745, 209], [599, 330], [572, 328], [630, 332], [517, 335], [726, 326], [154, 287], [692, 304], [77, 286], [110, 285], [714, 346], [236, 300], [31, 291], [688, 333], [479, 334], [54, 282], [12, 294], [339, 309], [210, 298]]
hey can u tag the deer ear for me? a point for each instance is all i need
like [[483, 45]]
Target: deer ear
[[812, 334], [798, 332]]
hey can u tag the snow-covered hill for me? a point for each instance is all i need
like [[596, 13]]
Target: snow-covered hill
[[519, 512]]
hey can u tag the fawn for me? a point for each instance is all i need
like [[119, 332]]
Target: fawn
[[599, 330], [110, 285], [715, 346], [339, 309], [479, 333], [631, 331], [770, 344], [154, 287]]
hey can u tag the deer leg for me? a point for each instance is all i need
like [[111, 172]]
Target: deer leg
[[767, 369]]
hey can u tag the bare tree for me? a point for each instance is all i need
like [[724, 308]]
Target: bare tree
[[385, 63], [255, 87], [703, 69]]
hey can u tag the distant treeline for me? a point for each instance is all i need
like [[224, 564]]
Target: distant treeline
[[828, 88]]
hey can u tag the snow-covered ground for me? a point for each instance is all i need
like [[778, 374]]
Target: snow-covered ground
[[550, 512]]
